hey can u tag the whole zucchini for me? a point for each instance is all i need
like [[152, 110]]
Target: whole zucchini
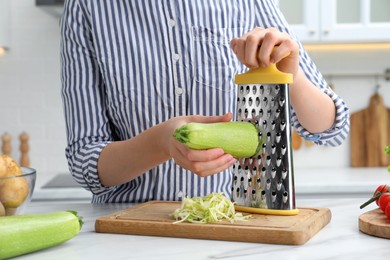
[[240, 139], [24, 234]]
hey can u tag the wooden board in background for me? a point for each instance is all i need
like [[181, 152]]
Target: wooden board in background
[[370, 135], [375, 223], [152, 219]]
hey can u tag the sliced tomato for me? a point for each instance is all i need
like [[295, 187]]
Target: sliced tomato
[[384, 199]]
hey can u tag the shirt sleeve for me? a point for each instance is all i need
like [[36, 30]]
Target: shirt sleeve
[[87, 125], [271, 16]]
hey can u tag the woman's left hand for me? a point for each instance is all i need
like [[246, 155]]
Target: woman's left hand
[[256, 49]]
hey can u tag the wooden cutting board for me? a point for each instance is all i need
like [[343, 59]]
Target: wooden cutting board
[[375, 223], [152, 219], [370, 135]]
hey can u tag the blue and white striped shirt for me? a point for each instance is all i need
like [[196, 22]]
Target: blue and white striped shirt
[[128, 65]]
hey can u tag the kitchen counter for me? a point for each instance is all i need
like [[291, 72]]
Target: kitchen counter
[[309, 182], [340, 239]]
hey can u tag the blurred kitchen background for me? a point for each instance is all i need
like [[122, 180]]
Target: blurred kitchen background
[[349, 40]]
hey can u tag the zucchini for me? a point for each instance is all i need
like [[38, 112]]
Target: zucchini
[[240, 139], [24, 234]]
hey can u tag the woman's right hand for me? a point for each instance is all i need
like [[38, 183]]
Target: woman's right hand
[[200, 162]]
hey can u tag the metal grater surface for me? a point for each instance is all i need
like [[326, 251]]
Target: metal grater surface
[[266, 179]]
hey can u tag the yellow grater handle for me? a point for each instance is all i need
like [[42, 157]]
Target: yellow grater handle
[[267, 75], [277, 212]]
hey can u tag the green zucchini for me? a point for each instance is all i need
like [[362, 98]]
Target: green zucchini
[[24, 234], [240, 139]]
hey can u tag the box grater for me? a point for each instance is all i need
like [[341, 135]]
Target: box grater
[[264, 183]]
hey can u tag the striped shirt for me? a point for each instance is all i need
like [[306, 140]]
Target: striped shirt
[[128, 65]]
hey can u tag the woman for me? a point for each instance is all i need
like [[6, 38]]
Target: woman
[[134, 71]]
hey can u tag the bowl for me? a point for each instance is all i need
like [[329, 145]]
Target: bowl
[[16, 192]]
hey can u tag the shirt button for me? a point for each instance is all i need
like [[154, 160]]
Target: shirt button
[[180, 194], [171, 22], [178, 91], [176, 56]]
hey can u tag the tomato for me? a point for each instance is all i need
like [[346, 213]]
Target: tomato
[[387, 210], [384, 199], [375, 197], [382, 188]]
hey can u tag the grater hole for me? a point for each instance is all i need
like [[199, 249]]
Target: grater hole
[[253, 113], [273, 196], [277, 88], [268, 90], [265, 101], [273, 148], [268, 136], [277, 113], [273, 125], [281, 101], [279, 186], [284, 173], [250, 101], [257, 101], [278, 137], [278, 161], [285, 196], [273, 172], [268, 184], [284, 149], [282, 125], [269, 113], [272, 102]]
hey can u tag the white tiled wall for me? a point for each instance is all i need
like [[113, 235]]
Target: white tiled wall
[[30, 90]]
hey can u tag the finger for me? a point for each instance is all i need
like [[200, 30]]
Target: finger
[[253, 41], [203, 155], [238, 47], [218, 170], [270, 40], [277, 46], [211, 119], [287, 48], [213, 167], [204, 168]]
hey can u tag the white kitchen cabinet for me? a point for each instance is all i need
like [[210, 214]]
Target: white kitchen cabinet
[[316, 21]]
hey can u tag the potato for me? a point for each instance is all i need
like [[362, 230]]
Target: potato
[[13, 191], [2, 210], [9, 167]]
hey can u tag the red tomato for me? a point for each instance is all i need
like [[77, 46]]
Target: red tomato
[[384, 199], [382, 188], [387, 210]]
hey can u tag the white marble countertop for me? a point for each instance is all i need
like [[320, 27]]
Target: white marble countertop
[[309, 182], [340, 239]]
